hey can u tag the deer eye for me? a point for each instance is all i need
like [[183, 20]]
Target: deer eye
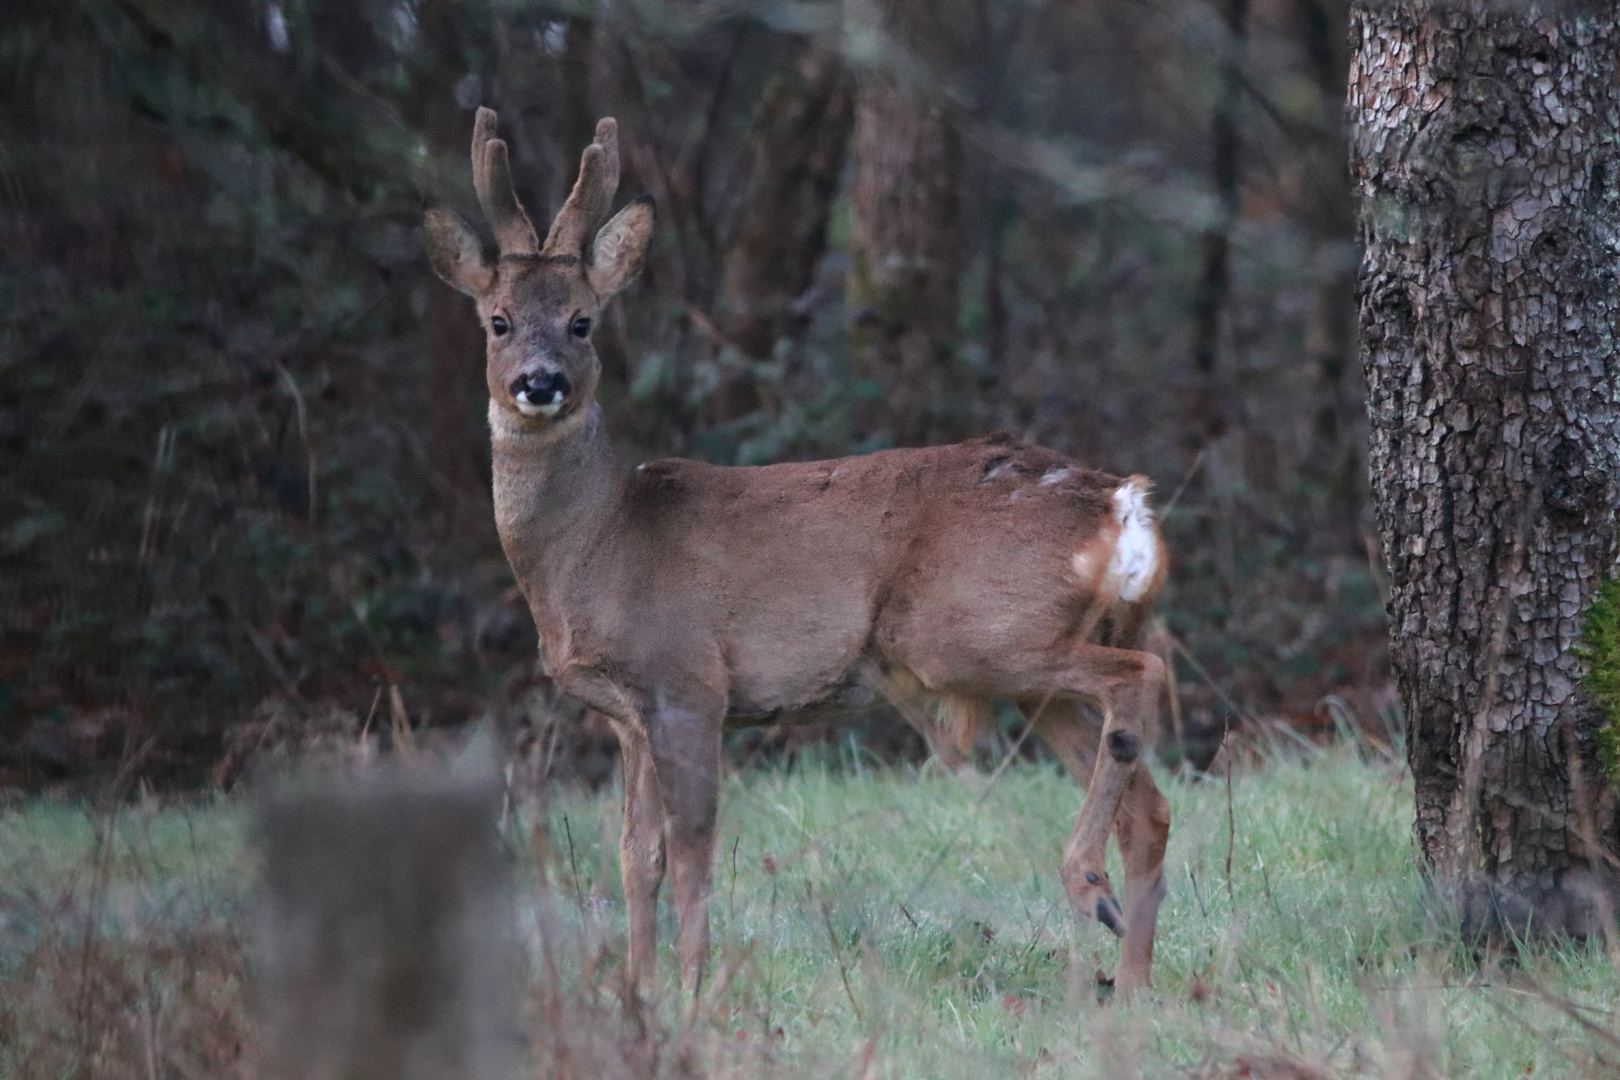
[[499, 325], [580, 327]]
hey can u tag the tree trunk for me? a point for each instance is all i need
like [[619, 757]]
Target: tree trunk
[[1208, 418], [455, 338], [1334, 469], [905, 242], [799, 136], [1485, 161]]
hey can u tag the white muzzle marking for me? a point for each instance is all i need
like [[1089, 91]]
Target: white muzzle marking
[[535, 408]]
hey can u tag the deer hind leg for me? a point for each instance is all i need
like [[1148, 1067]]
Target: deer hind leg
[[1126, 684], [948, 722], [686, 757], [940, 743], [641, 853], [1074, 735], [1143, 828]]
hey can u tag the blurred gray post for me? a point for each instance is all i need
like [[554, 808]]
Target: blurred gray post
[[386, 945]]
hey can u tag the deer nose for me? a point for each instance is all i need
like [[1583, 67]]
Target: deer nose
[[540, 393]]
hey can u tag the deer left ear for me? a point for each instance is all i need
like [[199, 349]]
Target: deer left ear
[[457, 255], [620, 248]]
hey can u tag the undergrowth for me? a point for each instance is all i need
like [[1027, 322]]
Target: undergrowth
[[1601, 652], [867, 923]]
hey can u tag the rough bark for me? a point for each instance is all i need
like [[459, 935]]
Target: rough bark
[[800, 133], [1485, 161], [905, 241]]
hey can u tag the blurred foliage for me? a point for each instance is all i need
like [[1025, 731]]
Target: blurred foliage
[[1601, 652], [242, 455]]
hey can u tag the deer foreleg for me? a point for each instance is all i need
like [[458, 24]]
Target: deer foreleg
[[686, 755], [641, 854]]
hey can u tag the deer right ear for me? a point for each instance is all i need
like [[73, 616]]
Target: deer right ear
[[457, 255], [620, 248]]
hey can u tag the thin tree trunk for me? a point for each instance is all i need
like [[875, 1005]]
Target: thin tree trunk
[[1486, 165], [1334, 466], [905, 242], [800, 133], [1215, 248], [455, 339]]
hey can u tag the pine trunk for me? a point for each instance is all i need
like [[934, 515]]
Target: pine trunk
[[1485, 161]]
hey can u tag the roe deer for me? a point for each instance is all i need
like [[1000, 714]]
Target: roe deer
[[677, 598]]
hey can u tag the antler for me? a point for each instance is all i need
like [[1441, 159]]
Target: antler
[[592, 195], [492, 177]]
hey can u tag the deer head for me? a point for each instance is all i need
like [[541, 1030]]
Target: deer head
[[539, 303]]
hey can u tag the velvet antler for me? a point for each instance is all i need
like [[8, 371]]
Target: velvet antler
[[492, 177], [592, 195]]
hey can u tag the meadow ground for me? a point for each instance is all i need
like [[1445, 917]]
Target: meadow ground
[[867, 923]]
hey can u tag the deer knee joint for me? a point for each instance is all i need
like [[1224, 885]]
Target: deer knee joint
[[1124, 746]]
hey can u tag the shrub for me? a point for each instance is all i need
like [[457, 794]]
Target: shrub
[[1602, 655]]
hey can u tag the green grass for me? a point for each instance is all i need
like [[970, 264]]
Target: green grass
[[902, 925], [1317, 945]]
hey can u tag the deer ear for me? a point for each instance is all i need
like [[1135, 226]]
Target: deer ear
[[620, 248], [457, 255]]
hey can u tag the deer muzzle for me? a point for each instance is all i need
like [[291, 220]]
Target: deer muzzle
[[540, 393]]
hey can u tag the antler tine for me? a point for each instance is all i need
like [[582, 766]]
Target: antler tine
[[492, 178], [483, 132], [607, 137], [592, 195]]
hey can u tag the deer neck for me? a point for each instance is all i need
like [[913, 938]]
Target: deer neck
[[554, 491]]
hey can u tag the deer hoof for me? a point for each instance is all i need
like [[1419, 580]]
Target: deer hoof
[[1093, 899], [1110, 915]]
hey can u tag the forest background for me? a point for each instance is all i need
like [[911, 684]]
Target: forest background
[[243, 461]]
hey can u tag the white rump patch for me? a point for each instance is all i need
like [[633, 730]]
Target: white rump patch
[[1135, 560]]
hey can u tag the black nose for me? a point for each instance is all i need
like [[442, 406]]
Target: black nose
[[542, 386]]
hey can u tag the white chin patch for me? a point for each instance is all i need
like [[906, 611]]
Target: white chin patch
[[528, 407]]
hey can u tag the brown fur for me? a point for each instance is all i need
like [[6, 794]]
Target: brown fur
[[678, 597]]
